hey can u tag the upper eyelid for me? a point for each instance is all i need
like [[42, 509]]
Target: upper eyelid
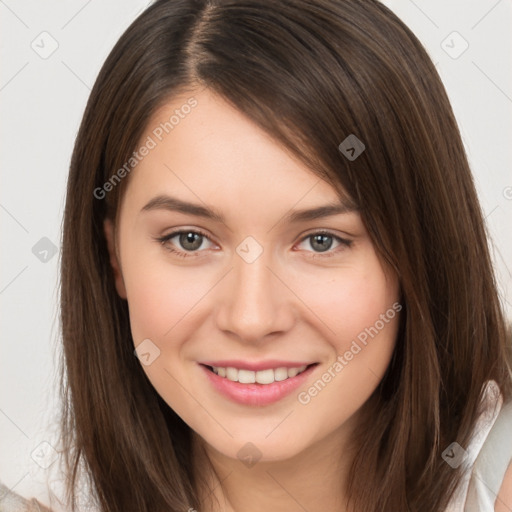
[[320, 231]]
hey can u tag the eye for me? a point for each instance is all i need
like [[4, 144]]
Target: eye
[[322, 242], [187, 241]]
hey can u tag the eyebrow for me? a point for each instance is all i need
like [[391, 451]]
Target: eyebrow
[[164, 202]]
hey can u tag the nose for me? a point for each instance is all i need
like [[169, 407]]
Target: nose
[[254, 302]]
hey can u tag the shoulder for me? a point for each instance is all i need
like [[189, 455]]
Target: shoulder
[[493, 468], [504, 500], [10, 501]]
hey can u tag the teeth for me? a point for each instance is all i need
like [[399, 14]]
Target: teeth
[[246, 377], [261, 377], [292, 372], [280, 374], [232, 374]]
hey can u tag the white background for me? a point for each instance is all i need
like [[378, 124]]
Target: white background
[[41, 104]]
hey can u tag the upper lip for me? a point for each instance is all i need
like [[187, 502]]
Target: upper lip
[[256, 366]]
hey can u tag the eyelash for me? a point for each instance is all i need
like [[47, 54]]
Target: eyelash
[[344, 243]]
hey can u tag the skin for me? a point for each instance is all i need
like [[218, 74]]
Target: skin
[[292, 303], [504, 500]]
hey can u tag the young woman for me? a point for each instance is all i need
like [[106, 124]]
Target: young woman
[[276, 288]]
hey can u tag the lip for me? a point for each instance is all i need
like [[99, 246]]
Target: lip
[[256, 394], [255, 366]]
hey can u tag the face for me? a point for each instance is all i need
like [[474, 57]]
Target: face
[[222, 266]]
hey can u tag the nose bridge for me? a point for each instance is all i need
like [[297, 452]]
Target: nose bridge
[[254, 302]]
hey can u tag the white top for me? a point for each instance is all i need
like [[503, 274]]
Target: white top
[[487, 457]]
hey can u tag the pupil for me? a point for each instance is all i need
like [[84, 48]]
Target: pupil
[[190, 241], [321, 242]]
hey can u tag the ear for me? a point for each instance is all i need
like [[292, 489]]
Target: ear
[[108, 227]]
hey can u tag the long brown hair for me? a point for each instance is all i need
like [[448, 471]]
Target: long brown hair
[[309, 73]]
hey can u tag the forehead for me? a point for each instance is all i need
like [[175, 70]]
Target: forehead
[[203, 149]]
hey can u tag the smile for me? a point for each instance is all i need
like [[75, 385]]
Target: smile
[[261, 377], [256, 387]]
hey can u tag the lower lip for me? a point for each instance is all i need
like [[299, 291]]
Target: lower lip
[[257, 394]]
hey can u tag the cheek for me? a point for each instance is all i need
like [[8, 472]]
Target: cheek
[[350, 300], [357, 311], [361, 312], [160, 294], [364, 305]]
